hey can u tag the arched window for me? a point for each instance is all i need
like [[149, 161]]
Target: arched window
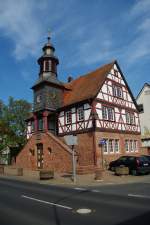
[[47, 65]]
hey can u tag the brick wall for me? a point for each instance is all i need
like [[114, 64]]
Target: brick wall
[[59, 157], [122, 137], [56, 156], [85, 149]]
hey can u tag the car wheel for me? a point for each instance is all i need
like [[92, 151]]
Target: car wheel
[[134, 172]]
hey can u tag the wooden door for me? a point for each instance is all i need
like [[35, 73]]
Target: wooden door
[[40, 156]]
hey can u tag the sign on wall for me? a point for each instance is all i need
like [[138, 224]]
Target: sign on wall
[[102, 142], [71, 139]]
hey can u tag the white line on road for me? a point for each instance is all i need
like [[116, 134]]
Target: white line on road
[[80, 189], [96, 191], [45, 202], [138, 196]]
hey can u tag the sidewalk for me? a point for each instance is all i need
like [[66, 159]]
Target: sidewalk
[[86, 180]]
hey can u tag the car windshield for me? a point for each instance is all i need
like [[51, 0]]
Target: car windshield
[[143, 159], [123, 158]]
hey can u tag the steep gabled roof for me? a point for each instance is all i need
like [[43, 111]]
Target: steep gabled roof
[[86, 86]]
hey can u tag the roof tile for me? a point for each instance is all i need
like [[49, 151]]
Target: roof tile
[[86, 86]]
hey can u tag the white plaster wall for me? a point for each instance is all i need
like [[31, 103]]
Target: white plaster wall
[[73, 118], [61, 119], [144, 99], [87, 114]]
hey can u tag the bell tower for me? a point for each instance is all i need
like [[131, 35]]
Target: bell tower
[[47, 91], [48, 62]]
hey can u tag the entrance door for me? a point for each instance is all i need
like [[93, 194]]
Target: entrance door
[[40, 156]]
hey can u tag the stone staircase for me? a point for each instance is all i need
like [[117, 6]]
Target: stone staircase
[[85, 169]]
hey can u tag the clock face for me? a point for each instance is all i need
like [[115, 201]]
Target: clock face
[[38, 98], [53, 95]]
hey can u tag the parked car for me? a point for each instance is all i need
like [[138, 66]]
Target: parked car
[[136, 164], [147, 156]]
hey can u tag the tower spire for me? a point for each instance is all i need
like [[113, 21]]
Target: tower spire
[[49, 36]]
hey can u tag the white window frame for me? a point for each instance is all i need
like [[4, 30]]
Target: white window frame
[[104, 113], [131, 146], [111, 150], [130, 118], [80, 114], [111, 146], [127, 146], [117, 91], [108, 113], [68, 117], [105, 147], [135, 144], [111, 116], [116, 150]]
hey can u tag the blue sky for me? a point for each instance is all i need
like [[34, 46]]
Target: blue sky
[[85, 33]]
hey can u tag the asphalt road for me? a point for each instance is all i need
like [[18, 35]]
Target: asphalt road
[[23, 203]]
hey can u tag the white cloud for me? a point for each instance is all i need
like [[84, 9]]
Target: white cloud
[[140, 7], [139, 47], [26, 22], [19, 22]]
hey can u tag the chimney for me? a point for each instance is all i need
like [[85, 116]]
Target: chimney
[[70, 78]]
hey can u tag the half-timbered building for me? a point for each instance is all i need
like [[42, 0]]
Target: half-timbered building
[[98, 108]]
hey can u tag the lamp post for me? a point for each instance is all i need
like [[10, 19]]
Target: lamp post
[[72, 141]]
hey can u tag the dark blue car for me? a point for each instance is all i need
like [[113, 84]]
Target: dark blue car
[[136, 164]]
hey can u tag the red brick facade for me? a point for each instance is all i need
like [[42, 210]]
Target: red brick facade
[[121, 137], [56, 110], [56, 155]]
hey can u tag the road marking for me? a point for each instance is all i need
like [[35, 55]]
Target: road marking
[[80, 189], [83, 211], [138, 196], [110, 183], [96, 191], [45, 202]]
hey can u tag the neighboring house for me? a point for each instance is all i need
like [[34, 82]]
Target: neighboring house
[[99, 108], [5, 156], [143, 101]]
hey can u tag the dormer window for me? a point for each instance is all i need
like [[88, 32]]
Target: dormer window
[[117, 91]]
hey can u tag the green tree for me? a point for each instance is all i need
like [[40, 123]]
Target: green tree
[[12, 122]]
